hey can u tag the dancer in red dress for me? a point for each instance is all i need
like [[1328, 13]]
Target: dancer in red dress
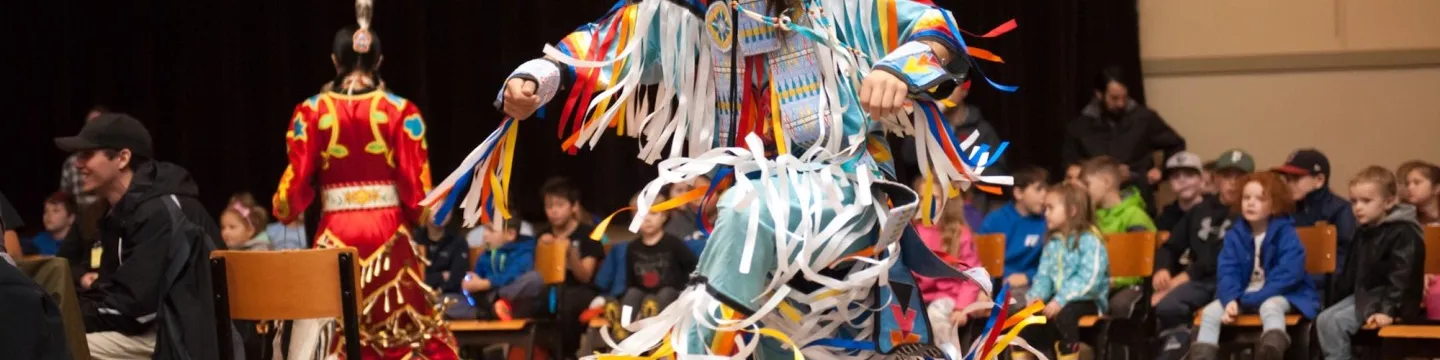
[[365, 149]]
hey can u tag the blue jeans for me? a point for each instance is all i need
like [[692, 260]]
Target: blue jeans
[[1272, 317], [1335, 326]]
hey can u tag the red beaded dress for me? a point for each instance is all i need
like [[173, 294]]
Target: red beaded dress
[[367, 155]]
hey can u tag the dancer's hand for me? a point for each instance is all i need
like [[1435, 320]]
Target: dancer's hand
[[1231, 311], [520, 100], [883, 95]]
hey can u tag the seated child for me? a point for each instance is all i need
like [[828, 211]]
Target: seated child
[[449, 258], [1308, 173], [1074, 271], [1023, 223], [1072, 175], [504, 279], [947, 298], [1421, 186], [1261, 268], [1380, 282], [1116, 211], [241, 225], [657, 267], [59, 221], [1185, 174]]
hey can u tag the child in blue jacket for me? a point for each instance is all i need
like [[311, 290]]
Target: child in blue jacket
[[1023, 223], [504, 273], [1261, 268]]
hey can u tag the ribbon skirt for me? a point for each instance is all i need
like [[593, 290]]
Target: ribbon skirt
[[400, 317]]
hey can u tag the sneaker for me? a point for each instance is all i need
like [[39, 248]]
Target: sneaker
[[1203, 352]]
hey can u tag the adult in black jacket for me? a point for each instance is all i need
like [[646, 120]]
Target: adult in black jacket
[[1381, 280], [1115, 125], [153, 289]]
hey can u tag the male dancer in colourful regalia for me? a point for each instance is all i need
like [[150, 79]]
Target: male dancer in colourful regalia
[[789, 100]]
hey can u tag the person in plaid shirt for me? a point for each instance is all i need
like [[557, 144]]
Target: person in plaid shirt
[[69, 176]]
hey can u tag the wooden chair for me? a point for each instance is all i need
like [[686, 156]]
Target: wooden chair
[[1422, 340], [550, 263], [1130, 254], [263, 285], [1161, 237], [991, 249], [1319, 242]]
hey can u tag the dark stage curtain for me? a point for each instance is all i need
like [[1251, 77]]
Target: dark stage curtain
[[216, 81]]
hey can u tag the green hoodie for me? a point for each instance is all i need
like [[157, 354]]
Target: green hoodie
[[1129, 215]]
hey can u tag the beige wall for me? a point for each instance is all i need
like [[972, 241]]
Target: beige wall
[[1358, 79], [1357, 117]]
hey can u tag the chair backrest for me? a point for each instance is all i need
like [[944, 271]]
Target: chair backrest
[[550, 260], [475, 253], [1161, 237], [1131, 253], [1319, 242], [991, 249], [1432, 249], [286, 285]]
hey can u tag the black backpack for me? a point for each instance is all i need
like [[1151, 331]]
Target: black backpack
[[30, 323], [186, 319]]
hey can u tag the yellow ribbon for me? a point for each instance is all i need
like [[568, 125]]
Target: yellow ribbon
[[683, 199], [1015, 332], [1029, 310], [927, 194], [665, 350], [777, 335]]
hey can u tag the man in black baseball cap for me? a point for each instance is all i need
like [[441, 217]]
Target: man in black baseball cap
[[121, 140], [155, 220], [1307, 171]]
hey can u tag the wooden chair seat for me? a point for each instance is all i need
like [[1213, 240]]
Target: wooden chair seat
[[1089, 321], [488, 325], [1252, 320], [1411, 332]]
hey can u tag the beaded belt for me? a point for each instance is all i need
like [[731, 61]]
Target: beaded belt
[[361, 197]]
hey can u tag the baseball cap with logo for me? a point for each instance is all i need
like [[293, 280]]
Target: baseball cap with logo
[[1308, 162], [1235, 159], [1183, 160], [109, 131]]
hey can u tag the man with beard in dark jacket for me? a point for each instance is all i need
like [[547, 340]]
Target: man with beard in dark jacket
[[1380, 283], [156, 226], [1115, 125], [1197, 237]]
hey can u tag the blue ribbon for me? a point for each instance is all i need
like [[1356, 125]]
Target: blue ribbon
[[847, 344], [552, 300]]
